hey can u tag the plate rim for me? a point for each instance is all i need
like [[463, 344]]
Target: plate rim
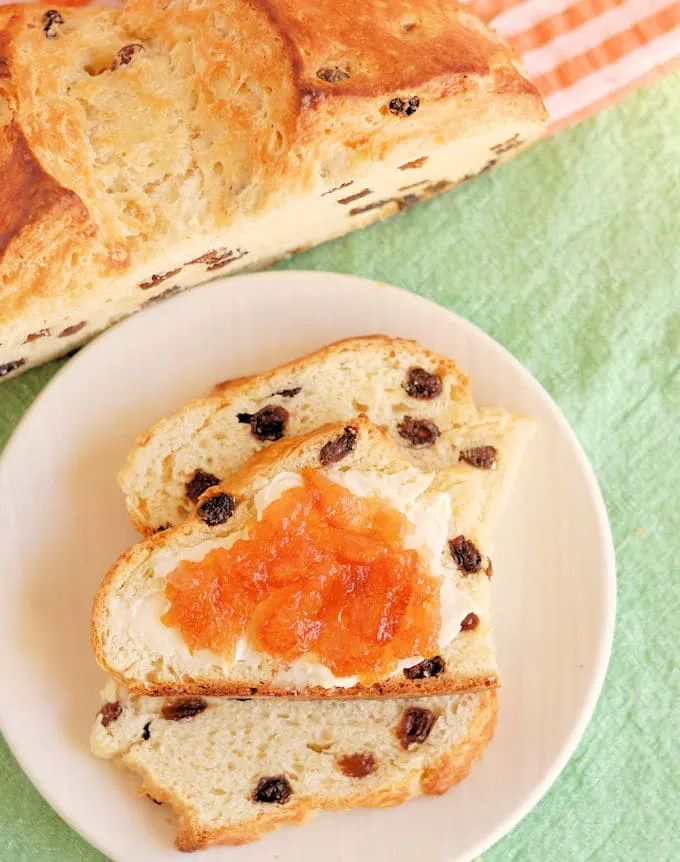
[[608, 623]]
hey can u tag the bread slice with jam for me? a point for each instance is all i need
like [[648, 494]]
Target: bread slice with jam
[[328, 566]]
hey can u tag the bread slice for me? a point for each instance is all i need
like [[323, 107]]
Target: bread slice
[[212, 759], [436, 428], [148, 657]]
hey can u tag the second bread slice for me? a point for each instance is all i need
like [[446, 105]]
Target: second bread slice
[[421, 398], [147, 656]]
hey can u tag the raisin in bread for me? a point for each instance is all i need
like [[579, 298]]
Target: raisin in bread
[[134, 647], [147, 148], [422, 398], [233, 771]]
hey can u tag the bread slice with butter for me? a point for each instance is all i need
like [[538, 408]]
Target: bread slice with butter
[[232, 771], [139, 651], [149, 147], [421, 397]]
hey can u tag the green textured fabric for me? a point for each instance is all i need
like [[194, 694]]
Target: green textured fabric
[[569, 256]]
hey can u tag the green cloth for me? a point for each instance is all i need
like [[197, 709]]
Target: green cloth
[[570, 257]]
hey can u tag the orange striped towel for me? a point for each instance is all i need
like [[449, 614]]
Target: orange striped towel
[[584, 55]]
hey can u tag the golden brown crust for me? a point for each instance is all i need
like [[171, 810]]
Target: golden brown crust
[[437, 47], [453, 766], [27, 193], [265, 464]]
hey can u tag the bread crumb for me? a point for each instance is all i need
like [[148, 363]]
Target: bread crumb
[[639, 532]]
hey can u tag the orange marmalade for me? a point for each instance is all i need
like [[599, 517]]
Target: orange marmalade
[[324, 574]]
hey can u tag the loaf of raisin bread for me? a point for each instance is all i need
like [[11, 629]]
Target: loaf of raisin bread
[[233, 771], [147, 148], [422, 398], [149, 656]]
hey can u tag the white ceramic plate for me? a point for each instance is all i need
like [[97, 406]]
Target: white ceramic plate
[[62, 523]]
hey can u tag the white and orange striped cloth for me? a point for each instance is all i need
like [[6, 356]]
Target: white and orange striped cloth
[[583, 55]]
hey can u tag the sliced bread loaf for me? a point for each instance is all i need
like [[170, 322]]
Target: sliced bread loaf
[[151, 146], [420, 397], [137, 649], [233, 771]]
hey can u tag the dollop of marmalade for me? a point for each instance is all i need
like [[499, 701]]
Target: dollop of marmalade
[[324, 574]]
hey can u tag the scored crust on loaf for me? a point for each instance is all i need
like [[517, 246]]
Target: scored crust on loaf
[[125, 651], [367, 374], [147, 148], [206, 758]]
